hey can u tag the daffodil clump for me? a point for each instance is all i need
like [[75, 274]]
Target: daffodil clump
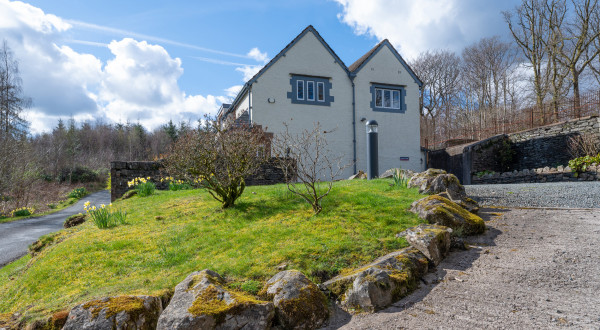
[[175, 185], [22, 211], [143, 186], [103, 216]]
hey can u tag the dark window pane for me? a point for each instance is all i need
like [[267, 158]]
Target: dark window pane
[[300, 84], [378, 97], [320, 91], [396, 99], [387, 98], [310, 90]]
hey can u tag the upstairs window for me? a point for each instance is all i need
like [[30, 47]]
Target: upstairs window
[[310, 90], [300, 89], [388, 98]]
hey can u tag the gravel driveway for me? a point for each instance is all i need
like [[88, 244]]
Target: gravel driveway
[[555, 194], [16, 236], [533, 269]]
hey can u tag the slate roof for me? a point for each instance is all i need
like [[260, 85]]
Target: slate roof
[[361, 60]]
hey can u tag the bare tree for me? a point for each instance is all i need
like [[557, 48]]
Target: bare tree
[[219, 158], [530, 29], [440, 71], [579, 35], [310, 166], [13, 128]]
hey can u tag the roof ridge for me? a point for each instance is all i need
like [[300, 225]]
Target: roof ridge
[[354, 66]]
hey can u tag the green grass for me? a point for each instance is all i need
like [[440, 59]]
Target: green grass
[[173, 233]]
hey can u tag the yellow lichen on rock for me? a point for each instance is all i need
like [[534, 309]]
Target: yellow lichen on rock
[[114, 305]]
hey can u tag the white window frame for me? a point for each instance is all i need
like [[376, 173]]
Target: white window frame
[[390, 93], [312, 83], [298, 83], [320, 87]]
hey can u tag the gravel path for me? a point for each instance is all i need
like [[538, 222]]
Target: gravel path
[[16, 236], [534, 269], [554, 194]]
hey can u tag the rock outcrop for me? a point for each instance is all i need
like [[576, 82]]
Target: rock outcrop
[[380, 283], [74, 220], [442, 211], [434, 181], [299, 304], [122, 312], [201, 301], [432, 240], [359, 175]]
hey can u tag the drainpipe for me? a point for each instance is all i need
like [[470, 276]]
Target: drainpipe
[[250, 106], [352, 75]]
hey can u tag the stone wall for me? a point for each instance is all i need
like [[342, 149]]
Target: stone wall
[[546, 174], [541, 147], [123, 172]]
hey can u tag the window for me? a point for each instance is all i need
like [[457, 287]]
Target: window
[[320, 92], [388, 98], [310, 90], [300, 89]]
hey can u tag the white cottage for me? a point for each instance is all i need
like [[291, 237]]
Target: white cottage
[[307, 83]]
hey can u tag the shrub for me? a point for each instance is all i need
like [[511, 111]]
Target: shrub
[[143, 186], [219, 158], [105, 217], [78, 193], [21, 212], [175, 185], [400, 178], [581, 164], [77, 174]]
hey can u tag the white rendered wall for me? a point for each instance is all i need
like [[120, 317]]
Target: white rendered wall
[[399, 133], [307, 57]]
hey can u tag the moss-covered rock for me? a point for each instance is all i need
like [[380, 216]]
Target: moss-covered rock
[[432, 240], [299, 304], [423, 179], [441, 211], [380, 283], [44, 242], [122, 312], [201, 301]]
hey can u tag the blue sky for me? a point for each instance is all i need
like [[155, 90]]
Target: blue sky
[[151, 61]]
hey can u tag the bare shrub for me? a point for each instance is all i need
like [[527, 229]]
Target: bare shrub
[[218, 159], [583, 145], [309, 165]]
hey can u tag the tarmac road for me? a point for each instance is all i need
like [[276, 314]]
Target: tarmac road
[[16, 236]]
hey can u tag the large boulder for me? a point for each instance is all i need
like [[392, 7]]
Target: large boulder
[[123, 312], [359, 175], [441, 211], [299, 304], [201, 301], [423, 179], [432, 240], [380, 283], [434, 181]]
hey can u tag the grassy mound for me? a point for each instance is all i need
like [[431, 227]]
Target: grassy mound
[[171, 234]]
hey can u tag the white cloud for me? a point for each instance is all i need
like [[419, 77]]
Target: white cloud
[[233, 91], [249, 71], [257, 55], [139, 82], [417, 26]]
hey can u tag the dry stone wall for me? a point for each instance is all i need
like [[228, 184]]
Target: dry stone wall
[[516, 154], [123, 172], [539, 175]]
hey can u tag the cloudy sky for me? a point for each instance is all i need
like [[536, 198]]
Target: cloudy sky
[[151, 61]]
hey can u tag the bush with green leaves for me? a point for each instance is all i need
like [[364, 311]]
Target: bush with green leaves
[[22, 212], [105, 217], [581, 164], [78, 193], [143, 186]]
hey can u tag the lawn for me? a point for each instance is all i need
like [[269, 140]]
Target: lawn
[[171, 234]]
